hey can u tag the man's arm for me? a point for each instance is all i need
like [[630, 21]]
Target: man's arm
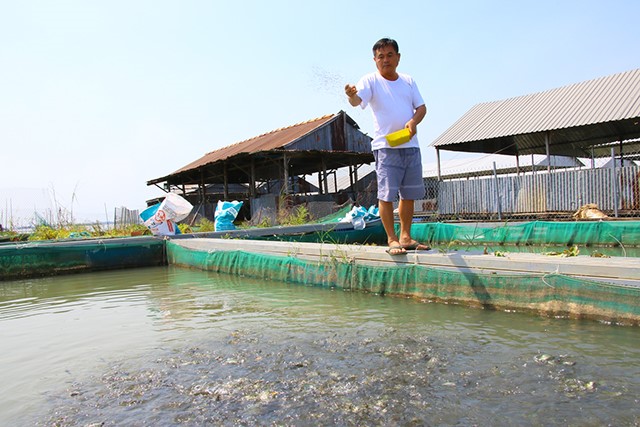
[[418, 115]]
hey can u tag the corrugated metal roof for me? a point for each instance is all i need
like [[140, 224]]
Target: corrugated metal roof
[[276, 139], [330, 141], [580, 115]]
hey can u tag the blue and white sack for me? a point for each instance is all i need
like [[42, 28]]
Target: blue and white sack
[[225, 214], [162, 218], [358, 216]]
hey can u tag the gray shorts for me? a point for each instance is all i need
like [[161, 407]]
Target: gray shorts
[[399, 171]]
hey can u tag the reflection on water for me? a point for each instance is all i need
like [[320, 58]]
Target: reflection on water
[[168, 346]]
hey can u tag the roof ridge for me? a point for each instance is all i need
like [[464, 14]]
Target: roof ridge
[[546, 91], [521, 124], [317, 119]]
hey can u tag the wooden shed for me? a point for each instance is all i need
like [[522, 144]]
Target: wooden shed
[[284, 162]]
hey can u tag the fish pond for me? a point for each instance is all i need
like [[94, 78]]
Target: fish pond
[[166, 346]]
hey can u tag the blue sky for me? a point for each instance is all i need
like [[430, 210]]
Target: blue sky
[[96, 98]]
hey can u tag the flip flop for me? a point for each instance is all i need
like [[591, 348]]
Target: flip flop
[[396, 250], [416, 246]]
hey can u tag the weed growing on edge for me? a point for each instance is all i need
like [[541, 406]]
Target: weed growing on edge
[[295, 215], [47, 232], [572, 251]]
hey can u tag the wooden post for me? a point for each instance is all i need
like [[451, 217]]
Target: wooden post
[[325, 178], [285, 183], [226, 181], [252, 178], [355, 176], [202, 188], [351, 181]]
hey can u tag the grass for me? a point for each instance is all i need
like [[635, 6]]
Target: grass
[[295, 215], [66, 229], [47, 232]]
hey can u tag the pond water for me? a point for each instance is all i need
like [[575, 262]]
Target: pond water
[[168, 346]]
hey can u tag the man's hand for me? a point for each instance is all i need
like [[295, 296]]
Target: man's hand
[[418, 115], [350, 90], [413, 129], [352, 93]]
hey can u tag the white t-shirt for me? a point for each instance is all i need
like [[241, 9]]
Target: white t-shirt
[[393, 104]]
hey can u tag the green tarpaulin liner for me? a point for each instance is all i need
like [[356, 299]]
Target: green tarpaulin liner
[[535, 233], [550, 294], [45, 258], [605, 233]]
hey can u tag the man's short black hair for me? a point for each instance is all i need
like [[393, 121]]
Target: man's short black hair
[[384, 43]]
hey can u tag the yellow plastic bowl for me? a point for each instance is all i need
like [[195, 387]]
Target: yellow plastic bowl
[[399, 137]]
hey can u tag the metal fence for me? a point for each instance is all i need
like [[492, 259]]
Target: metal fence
[[555, 193], [123, 217]]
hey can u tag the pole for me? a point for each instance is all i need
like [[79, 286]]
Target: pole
[[546, 145], [497, 192], [614, 175]]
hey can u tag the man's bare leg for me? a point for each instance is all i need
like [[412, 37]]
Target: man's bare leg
[[405, 212], [385, 210]]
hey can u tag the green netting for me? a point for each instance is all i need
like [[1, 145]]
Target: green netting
[[371, 234], [336, 216], [623, 233], [33, 259], [549, 294]]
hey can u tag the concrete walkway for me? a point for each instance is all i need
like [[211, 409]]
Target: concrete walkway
[[617, 270]]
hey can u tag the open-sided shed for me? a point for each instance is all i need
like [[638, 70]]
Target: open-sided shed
[[587, 119], [277, 160]]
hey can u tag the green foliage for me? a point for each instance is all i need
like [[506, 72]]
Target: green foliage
[[296, 215], [185, 228], [572, 251], [205, 225], [598, 254], [129, 230], [264, 223], [47, 232], [12, 236]]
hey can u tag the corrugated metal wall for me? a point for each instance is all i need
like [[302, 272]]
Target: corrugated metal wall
[[559, 191]]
